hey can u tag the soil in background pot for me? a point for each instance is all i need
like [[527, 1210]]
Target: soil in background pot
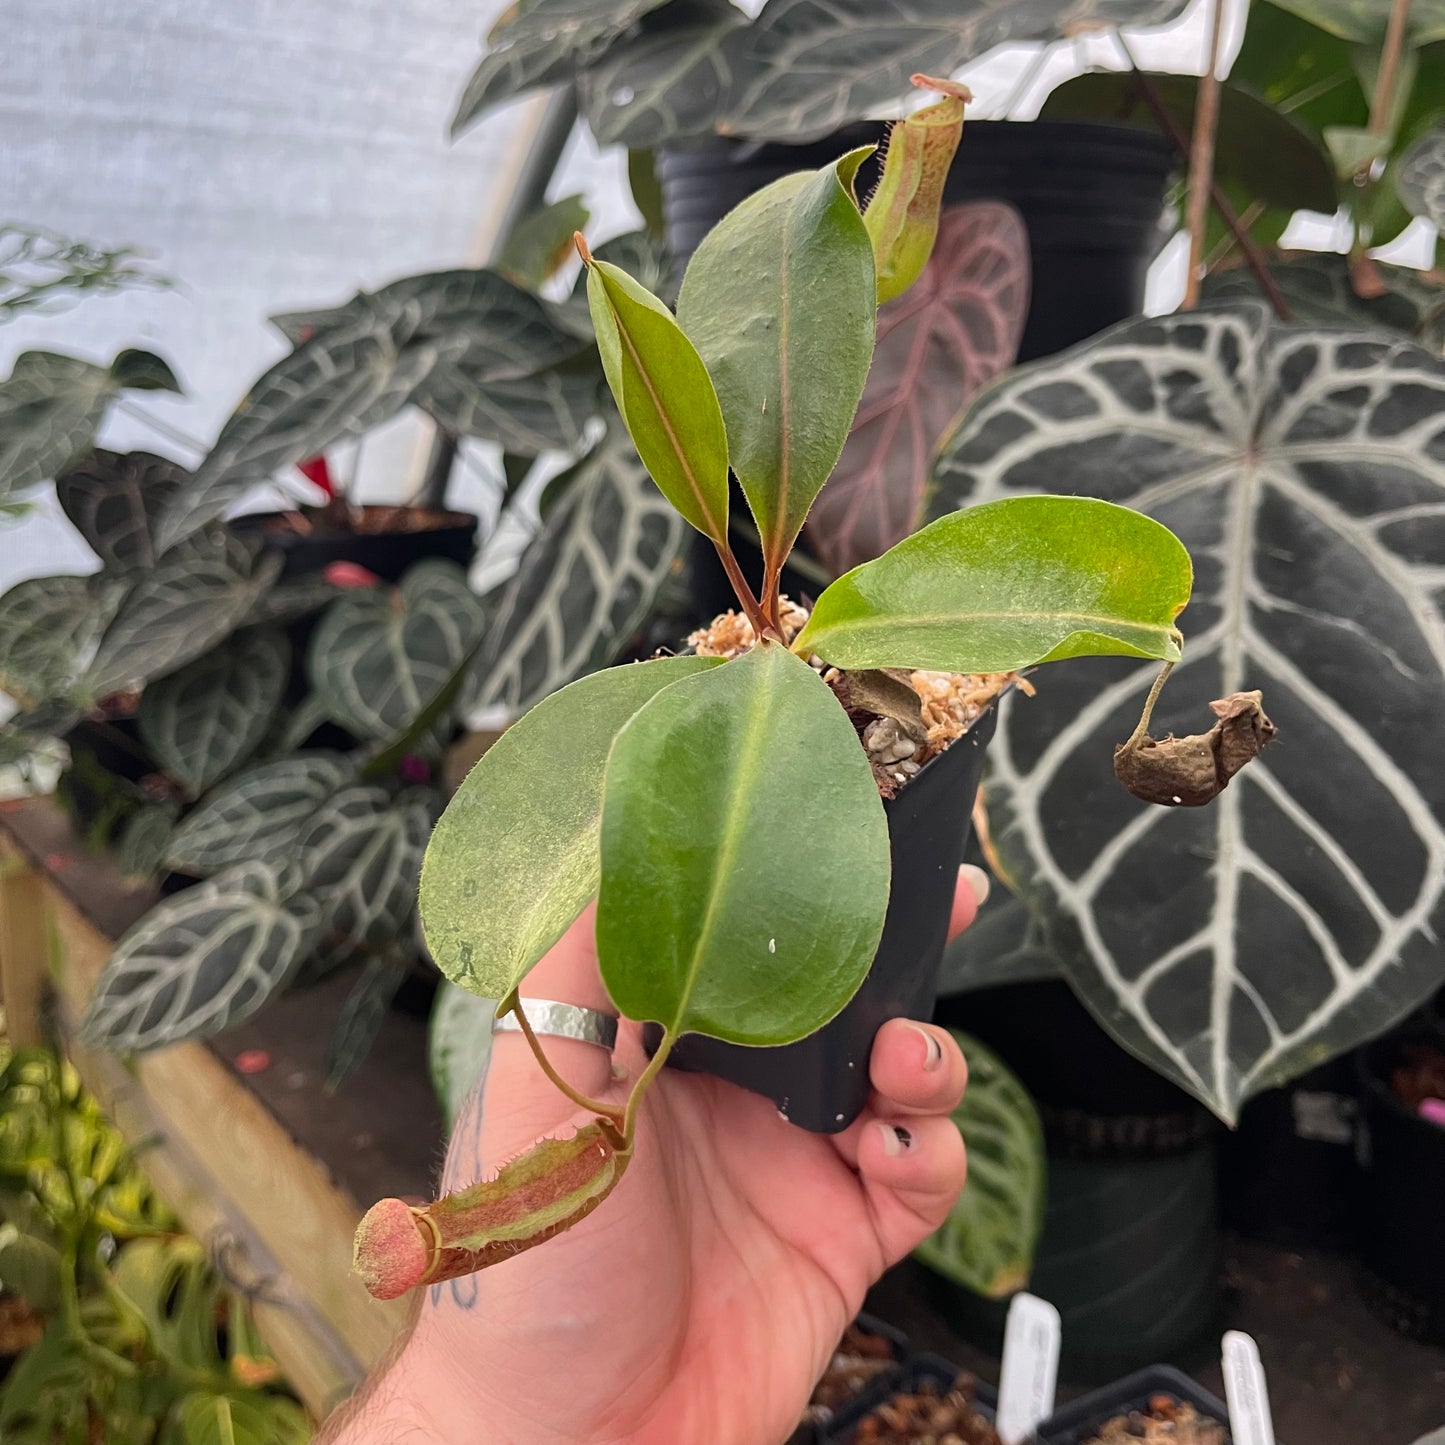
[[1156, 1406], [929, 1403], [868, 1350]]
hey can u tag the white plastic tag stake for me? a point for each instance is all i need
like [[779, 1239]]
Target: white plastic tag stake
[[1250, 1422], [1030, 1369]]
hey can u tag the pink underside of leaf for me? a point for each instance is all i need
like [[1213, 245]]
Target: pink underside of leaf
[[956, 328]]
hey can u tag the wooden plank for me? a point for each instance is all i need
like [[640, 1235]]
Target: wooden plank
[[22, 950]]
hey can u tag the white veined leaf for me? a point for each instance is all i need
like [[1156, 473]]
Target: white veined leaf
[[115, 501], [50, 407], [49, 628]]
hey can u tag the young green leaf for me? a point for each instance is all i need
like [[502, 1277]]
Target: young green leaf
[[664, 394], [1006, 585], [514, 858], [780, 300], [724, 909]]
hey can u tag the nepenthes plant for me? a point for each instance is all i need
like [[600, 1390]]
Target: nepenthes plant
[[718, 805]]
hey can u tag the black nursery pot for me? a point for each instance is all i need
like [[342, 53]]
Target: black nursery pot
[[821, 1082], [917, 1372], [387, 553], [1402, 1207], [1080, 1421], [1091, 195]]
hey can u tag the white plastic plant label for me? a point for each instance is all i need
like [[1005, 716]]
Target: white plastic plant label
[[1030, 1369], [1250, 1422]]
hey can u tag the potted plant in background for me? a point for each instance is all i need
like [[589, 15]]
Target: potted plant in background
[[759, 729]]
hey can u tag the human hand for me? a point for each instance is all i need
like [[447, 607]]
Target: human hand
[[699, 1304]]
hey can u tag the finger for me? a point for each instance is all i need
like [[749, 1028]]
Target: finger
[[913, 1170], [970, 895], [916, 1068]]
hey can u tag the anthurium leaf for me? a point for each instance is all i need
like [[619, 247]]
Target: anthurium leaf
[[459, 1043], [666, 80], [586, 582], [1006, 585], [514, 858], [141, 849], [201, 960], [957, 327], [380, 656], [49, 627], [1365, 21], [542, 241], [1236, 946], [780, 300], [252, 1418], [1006, 944], [744, 855], [259, 814], [203, 720], [545, 411], [363, 1014], [115, 501], [288, 601], [805, 69], [433, 725], [50, 406], [987, 1242], [665, 396], [1420, 179], [360, 857], [541, 42], [188, 603]]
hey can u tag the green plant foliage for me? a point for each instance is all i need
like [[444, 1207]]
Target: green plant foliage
[[757, 758], [1006, 944], [514, 858], [115, 501], [963, 596], [364, 1011], [204, 1418], [665, 396], [49, 627], [987, 1243], [546, 411], [542, 241], [202, 722], [459, 1043], [1364, 21], [1420, 180], [780, 300], [144, 840], [378, 657], [39, 269], [586, 583], [259, 815], [1302, 466], [202, 960]]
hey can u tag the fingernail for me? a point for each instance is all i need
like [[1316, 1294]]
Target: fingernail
[[895, 1138], [978, 883], [932, 1049]]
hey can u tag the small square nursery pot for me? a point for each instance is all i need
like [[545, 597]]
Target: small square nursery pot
[[821, 1082], [1080, 1422], [920, 1373], [892, 1349], [389, 541]]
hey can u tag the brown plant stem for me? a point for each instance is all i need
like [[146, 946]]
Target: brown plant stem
[[752, 609], [1382, 102], [1142, 731], [1201, 159], [613, 1112]]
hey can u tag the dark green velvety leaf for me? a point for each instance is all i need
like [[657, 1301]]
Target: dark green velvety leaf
[[141, 849], [50, 407], [1420, 180], [1007, 585], [547, 411], [744, 855], [49, 627], [1006, 944], [1303, 469], [780, 300], [804, 69], [514, 858], [202, 721], [201, 961], [362, 1016], [380, 656], [260, 814], [987, 1243], [587, 581], [115, 501]]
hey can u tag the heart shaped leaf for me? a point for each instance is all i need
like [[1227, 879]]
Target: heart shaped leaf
[[201, 961], [987, 1243], [726, 798], [141, 848], [195, 597], [115, 501], [805, 69], [1236, 945], [49, 627], [379, 657], [586, 582], [546, 411], [957, 327], [665, 396], [514, 858], [203, 720], [50, 407], [1006, 585], [780, 300], [260, 814]]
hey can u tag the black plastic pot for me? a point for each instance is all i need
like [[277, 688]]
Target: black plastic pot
[[821, 1082], [1091, 195], [1080, 1421], [387, 553], [1402, 1207], [917, 1371], [1289, 1174]]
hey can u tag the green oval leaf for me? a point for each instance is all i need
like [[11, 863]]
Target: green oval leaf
[[665, 396], [728, 798], [514, 858], [1007, 585], [459, 1043], [987, 1242], [780, 300]]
